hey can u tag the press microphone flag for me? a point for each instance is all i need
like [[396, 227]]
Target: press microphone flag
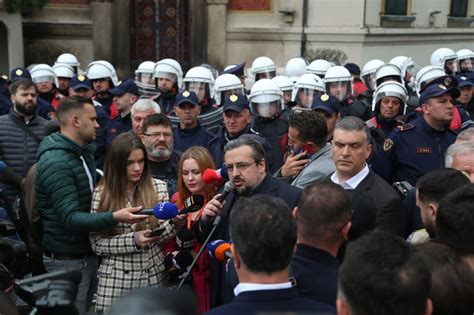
[[219, 250], [162, 211]]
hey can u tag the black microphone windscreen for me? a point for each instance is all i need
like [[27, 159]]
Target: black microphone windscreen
[[185, 239]]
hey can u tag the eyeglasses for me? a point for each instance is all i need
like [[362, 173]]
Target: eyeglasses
[[238, 166], [158, 134]]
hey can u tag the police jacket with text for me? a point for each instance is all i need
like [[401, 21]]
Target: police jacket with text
[[412, 150]]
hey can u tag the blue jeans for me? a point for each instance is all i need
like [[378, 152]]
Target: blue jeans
[[88, 268]]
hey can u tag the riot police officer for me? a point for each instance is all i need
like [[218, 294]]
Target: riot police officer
[[338, 81], [368, 77], [266, 104], [144, 79], [390, 99], [168, 80], [104, 78], [418, 147]]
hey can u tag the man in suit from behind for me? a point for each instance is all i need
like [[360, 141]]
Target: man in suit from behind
[[323, 218], [375, 203], [264, 235]]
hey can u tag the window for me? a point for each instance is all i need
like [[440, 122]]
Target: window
[[396, 7], [396, 13], [459, 8]]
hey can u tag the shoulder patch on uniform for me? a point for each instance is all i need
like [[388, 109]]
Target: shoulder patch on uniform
[[406, 127], [388, 144]]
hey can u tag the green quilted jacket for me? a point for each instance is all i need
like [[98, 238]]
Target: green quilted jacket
[[63, 196]]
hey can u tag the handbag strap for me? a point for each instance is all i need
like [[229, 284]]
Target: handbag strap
[[26, 129]]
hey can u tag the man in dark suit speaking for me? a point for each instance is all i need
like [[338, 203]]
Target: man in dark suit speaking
[[374, 202], [264, 235], [245, 161]]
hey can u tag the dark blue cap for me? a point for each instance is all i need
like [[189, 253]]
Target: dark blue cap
[[352, 67], [80, 81], [3, 79], [187, 97], [19, 73], [328, 103], [236, 102], [237, 70], [125, 86], [464, 79], [436, 90]]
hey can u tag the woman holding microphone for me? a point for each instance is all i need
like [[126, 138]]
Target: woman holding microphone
[[132, 254]]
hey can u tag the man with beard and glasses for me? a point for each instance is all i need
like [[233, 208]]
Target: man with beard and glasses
[[157, 136], [245, 161], [21, 132]]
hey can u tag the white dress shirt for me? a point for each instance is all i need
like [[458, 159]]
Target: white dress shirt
[[352, 182], [245, 287]]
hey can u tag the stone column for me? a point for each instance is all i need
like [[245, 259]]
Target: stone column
[[216, 32], [11, 41], [102, 29], [121, 35]]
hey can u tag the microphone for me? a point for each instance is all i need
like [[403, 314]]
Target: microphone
[[192, 204], [228, 188], [180, 261], [219, 250], [210, 176], [162, 211], [185, 239]]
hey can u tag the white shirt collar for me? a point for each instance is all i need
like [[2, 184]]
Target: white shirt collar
[[352, 182], [245, 287]]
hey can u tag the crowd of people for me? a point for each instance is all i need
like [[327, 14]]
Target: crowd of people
[[346, 191]]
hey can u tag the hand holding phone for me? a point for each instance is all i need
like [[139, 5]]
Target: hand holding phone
[[157, 232]]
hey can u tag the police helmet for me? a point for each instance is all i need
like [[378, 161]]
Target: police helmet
[[263, 65], [368, 73], [42, 73], [390, 88], [388, 72], [319, 67], [63, 70], [426, 75], [200, 77], [101, 69], [441, 55], [227, 82], [266, 98], [308, 87], [169, 68], [465, 60], [340, 78]]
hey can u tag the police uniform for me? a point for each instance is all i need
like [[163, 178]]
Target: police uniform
[[121, 124], [413, 149], [188, 137], [352, 107], [236, 103]]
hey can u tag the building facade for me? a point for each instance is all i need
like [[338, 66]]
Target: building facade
[[222, 32]]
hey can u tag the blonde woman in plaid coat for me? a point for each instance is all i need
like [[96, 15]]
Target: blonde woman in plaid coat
[[131, 259]]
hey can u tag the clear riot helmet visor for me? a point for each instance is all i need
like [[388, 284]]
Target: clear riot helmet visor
[[265, 75], [200, 88], [304, 97], [466, 65], [411, 71], [450, 66], [369, 81], [166, 75], [286, 97], [146, 78], [44, 78], [341, 90], [267, 109]]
